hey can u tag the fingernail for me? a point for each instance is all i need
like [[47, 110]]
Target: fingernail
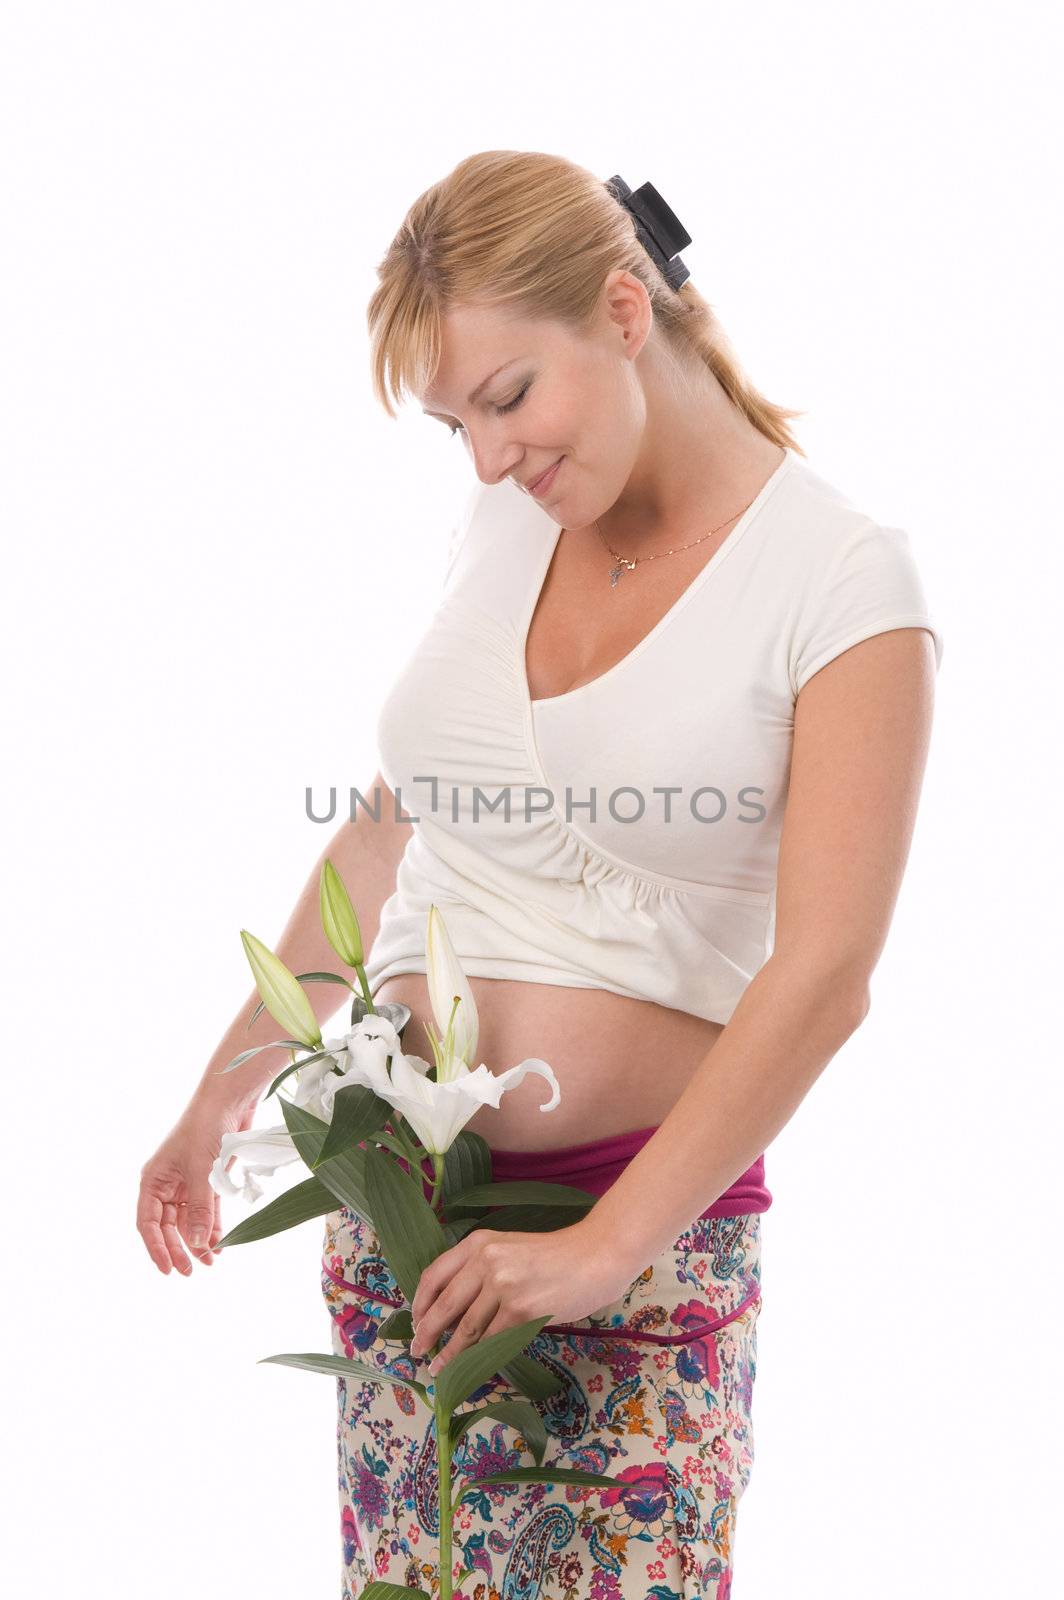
[[199, 1238]]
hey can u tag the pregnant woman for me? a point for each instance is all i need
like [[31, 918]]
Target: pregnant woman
[[657, 759]]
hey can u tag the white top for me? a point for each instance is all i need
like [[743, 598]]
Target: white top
[[597, 878]]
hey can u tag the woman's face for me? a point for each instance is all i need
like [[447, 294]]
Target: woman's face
[[524, 394]]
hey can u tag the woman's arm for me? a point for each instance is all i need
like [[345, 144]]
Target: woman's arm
[[861, 735], [366, 854]]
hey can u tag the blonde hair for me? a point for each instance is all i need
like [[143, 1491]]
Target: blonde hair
[[538, 235]]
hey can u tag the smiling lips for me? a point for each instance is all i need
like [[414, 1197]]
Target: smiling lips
[[545, 479]]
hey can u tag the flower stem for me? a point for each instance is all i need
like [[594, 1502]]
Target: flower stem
[[363, 984], [443, 1459], [403, 1138], [437, 1167]]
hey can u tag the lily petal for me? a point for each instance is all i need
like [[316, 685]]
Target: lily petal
[[374, 1025], [439, 1111], [310, 1083], [362, 1056], [489, 1087], [258, 1151], [418, 1098]]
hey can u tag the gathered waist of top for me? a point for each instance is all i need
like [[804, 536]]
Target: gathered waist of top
[[596, 1165]]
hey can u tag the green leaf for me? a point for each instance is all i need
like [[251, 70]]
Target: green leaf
[[341, 1367], [299, 1204], [528, 1219], [281, 992], [409, 1230], [517, 1414], [399, 1325], [466, 1572], [548, 1474], [526, 1375], [294, 1066], [246, 1055], [523, 1192], [343, 1175], [478, 1362], [392, 1142], [308, 1131], [391, 1591], [338, 917], [357, 1112], [466, 1165]]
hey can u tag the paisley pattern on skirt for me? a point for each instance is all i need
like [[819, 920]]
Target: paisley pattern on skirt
[[658, 1394]]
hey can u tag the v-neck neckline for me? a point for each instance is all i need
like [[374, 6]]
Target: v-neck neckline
[[700, 578]]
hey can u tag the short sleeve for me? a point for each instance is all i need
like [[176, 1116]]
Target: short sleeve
[[871, 584]]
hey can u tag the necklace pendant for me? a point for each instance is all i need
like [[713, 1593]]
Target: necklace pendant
[[615, 572]]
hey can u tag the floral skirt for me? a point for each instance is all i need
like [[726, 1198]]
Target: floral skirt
[[658, 1388]]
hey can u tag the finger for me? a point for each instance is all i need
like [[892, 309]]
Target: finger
[[196, 1219], [205, 1256], [446, 1310], [429, 1285], [149, 1217], [438, 1274], [176, 1249], [482, 1314], [500, 1322]]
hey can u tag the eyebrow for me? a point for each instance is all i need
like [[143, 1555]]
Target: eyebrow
[[482, 385]]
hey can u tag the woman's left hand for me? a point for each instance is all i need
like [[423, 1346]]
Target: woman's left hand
[[492, 1280]]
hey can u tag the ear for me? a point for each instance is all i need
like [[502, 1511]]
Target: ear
[[627, 310]]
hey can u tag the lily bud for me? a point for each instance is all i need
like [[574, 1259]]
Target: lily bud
[[338, 917], [281, 992], [446, 983]]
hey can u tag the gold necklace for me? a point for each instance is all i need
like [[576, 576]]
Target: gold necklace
[[622, 561]]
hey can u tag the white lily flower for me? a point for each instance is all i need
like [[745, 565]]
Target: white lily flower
[[438, 1112], [446, 980], [258, 1151]]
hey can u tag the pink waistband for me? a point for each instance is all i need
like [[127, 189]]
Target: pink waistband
[[595, 1166]]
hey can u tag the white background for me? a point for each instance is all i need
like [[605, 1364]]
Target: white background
[[215, 545]]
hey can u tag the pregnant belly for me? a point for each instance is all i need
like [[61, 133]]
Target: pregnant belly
[[620, 1063]]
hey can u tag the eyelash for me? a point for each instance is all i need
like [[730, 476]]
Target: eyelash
[[511, 405]]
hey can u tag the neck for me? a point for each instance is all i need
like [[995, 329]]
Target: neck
[[700, 464]]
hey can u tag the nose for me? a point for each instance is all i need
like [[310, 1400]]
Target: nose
[[493, 462]]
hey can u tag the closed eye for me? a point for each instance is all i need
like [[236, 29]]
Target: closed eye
[[511, 405]]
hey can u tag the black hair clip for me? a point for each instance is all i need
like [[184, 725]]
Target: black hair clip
[[660, 230]]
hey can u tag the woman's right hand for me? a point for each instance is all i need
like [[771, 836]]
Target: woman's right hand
[[176, 1204]]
